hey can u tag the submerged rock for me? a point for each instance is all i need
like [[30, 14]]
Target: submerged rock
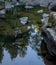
[[40, 11], [17, 4], [45, 15], [2, 12], [28, 7], [49, 36], [24, 20]]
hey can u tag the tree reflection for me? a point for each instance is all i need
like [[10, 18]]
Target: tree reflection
[[1, 53], [14, 48]]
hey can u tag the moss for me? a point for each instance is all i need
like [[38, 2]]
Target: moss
[[13, 15]]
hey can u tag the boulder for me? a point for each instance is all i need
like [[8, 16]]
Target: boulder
[[49, 37], [23, 20], [2, 12]]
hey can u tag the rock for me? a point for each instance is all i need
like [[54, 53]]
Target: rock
[[45, 20], [45, 15], [28, 27], [24, 20], [52, 32], [2, 5], [43, 3], [52, 6], [17, 4], [2, 12], [40, 11], [53, 14], [28, 7], [49, 36]]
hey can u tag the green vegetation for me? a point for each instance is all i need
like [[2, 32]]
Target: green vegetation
[[13, 15]]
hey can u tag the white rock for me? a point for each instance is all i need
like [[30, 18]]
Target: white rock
[[45, 15], [2, 12], [45, 20], [24, 20], [28, 7], [40, 11], [28, 27], [52, 32]]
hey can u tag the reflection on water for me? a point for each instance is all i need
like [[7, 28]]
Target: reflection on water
[[23, 51]]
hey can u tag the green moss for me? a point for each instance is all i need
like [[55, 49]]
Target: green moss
[[13, 15]]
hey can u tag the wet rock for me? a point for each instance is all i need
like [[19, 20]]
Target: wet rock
[[45, 15], [24, 20], [49, 36], [2, 13], [17, 4], [44, 20]]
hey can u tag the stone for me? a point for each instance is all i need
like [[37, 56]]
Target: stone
[[2, 12], [23, 20], [17, 4], [45, 15], [40, 11], [28, 7], [49, 37]]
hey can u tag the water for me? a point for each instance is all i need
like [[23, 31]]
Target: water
[[24, 51], [25, 48]]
